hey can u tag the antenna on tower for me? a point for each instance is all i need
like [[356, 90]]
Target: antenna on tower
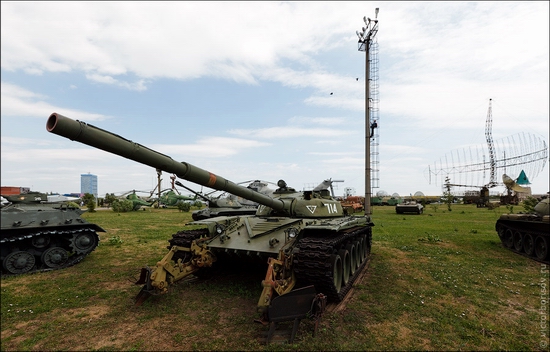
[[367, 44], [521, 152], [489, 138]]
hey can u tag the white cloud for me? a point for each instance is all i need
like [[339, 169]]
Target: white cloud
[[211, 147], [17, 101], [137, 86], [289, 132]]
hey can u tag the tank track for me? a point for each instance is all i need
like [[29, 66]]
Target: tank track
[[48, 248], [513, 239], [313, 262], [184, 239]]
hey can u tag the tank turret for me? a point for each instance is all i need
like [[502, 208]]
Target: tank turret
[[229, 205], [305, 238]]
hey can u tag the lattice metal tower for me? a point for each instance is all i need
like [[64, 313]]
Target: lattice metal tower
[[365, 43], [374, 116]]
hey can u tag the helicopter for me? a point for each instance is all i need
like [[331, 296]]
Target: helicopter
[[171, 198], [137, 201]]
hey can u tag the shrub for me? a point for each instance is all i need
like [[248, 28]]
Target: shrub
[[197, 204], [72, 205], [184, 206], [115, 240], [529, 204], [89, 201], [122, 206]]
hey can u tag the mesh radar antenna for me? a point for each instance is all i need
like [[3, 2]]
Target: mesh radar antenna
[[510, 155], [489, 138], [365, 43]]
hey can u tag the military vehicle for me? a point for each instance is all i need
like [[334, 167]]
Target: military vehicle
[[41, 236], [353, 204], [137, 202], [304, 237], [171, 198], [479, 198], [527, 234], [409, 207], [229, 205]]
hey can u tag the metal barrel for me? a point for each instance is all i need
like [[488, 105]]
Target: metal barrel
[[96, 137]]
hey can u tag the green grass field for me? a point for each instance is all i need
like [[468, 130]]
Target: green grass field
[[436, 281]]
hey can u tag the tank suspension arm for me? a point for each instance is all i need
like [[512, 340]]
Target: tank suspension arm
[[96, 137]]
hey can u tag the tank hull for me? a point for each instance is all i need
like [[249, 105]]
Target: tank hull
[[525, 234], [43, 237], [409, 208], [208, 213], [255, 239]]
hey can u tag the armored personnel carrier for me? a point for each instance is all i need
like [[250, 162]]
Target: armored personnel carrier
[[304, 237], [527, 234], [409, 207], [41, 236]]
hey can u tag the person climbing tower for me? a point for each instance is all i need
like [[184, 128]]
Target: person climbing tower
[[373, 125]]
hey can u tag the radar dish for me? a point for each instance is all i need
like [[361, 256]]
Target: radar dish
[[510, 155], [471, 167]]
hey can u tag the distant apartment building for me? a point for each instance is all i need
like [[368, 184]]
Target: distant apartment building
[[88, 184]]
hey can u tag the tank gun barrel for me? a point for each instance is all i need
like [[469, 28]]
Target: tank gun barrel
[[194, 192], [96, 137]]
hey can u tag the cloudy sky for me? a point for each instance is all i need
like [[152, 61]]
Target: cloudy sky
[[271, 90]]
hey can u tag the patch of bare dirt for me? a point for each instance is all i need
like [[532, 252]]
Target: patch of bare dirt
[[26, 326]]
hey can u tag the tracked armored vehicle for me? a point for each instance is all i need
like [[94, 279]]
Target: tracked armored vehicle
[[230, 205], [223, 207], [527, 234], [41, 236], [409, 207], [304, 237]]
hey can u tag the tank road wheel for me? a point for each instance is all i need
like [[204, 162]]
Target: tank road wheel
[[361, 250], [346, 266], [528, 244], [541, 248], [364, 248], [518, 241], [55, 257], [352, 257], [508, 239], [336, 265], [83, 243], [40, 241], [358, 255], [19, 262], [500, 231]]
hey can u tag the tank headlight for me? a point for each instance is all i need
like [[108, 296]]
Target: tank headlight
[[292, 232], [219, 229]]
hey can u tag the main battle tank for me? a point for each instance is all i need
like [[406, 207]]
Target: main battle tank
[[304, 237], [40, 236], [230, 205], [527, 234]]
